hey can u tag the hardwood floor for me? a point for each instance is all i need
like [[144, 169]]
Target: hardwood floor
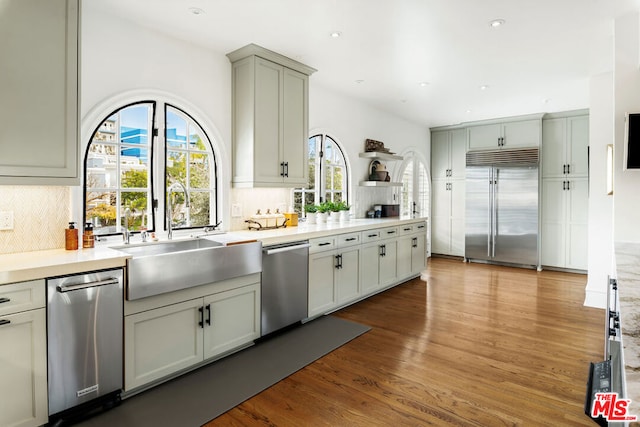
[[477, 345]]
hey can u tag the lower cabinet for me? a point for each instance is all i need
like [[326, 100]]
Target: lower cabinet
[[164, 340], [412, 255], [23, 355]]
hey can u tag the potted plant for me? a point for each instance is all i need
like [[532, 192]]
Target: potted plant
[[343, 207], [310, 211], [334, 208], [323, 208]]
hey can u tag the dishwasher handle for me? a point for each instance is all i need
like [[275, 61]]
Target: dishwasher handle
[[268, 251], [79, 286]]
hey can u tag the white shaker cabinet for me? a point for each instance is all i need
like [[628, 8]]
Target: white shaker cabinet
[[169, 333], [23, 354], [412, 253], [448, 191], [565, 191], [505, 135], [270, 96], [39, 87]]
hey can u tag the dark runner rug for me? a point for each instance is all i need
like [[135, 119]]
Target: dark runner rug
[[201, 395]]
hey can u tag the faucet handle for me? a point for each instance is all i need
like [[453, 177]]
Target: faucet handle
[[144, 235]]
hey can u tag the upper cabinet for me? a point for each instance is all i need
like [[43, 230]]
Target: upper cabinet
[[565, 148], [505, 135], [39, 87], [270, 95]]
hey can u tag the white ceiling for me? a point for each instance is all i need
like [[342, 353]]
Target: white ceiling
[[539, 61]]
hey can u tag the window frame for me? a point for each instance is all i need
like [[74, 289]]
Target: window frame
[[415, 160]]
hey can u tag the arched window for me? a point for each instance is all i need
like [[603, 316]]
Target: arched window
[[414, 198], [328, 174], [125, 152]]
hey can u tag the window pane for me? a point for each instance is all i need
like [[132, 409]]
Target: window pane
[[200, 209], [101, 211], [101, 166], [176, 131], [134, 124], [176, 167], [134, 168], [199, 172], [133, 210]]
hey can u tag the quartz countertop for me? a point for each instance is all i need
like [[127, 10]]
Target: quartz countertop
[[628, 276], [23, 266], [20, 267]]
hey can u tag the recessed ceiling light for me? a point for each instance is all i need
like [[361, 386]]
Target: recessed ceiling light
[[359, 81], [196, 11], [484, 87], [335, 34], [497, 23], [423, 84], [468, 111]]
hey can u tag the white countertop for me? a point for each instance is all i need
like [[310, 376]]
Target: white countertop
[[20, 267], [628, 276]]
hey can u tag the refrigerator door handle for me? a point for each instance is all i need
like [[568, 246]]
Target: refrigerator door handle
[[490, 214], [494, 210]]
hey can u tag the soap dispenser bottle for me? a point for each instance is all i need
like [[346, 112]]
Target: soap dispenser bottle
[[71, 237], [87, 237]]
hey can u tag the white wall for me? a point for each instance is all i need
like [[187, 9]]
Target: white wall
[[627, 99]]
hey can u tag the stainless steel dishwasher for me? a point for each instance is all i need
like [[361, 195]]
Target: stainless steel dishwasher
[[84, 331], [284, 285]]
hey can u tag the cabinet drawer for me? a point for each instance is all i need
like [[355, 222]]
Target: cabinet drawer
[[322, 244], [22, 296], [406, 229], [389, 232], [420, 227], [349, 239], [370, 235]]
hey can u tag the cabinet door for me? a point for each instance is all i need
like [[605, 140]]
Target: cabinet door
[[457, 153], [388, 262], [369, 268], [322, 291], [23, 369], [553, 159], [456, 224], [231, 319], [577, 210], [404, 256], [162, 341], [578, 144], [348, 276], [526, 133], [267, 123], [418, 253], [440, 155], [39, 87], [553, 223], [441, 218], [295, 128], [484, 137]]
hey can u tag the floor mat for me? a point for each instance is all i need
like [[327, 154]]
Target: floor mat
[[200, 396]]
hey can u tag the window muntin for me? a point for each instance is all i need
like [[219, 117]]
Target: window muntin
[[327, 174], [121, 158], [118, 173]]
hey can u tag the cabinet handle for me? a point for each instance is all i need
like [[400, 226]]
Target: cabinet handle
[[350, 239], [209, 314], [421, 226], [3, 300], [372, 235], [282, 169], [383, 250], [4, 322], [568, 168], [568, 185], [201, 322], [414, 242], [324, 243], [406, 229], [391, 232], [564, 169], [339, 261], [286, 169]]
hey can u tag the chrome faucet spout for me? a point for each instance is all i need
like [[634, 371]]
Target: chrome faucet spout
[[126, 234]]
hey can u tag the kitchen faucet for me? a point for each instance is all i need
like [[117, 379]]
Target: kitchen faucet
[[170, 207], [125, 232]]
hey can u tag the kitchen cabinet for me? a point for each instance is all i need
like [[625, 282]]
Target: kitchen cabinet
[[505, 135], [379, 258], [270, 95], [412, 253], [23, 352], [334, 274], [169, 333], [565, 192], [39, 86], [448, 191]]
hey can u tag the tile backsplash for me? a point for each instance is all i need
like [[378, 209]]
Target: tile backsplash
[[40, 215]]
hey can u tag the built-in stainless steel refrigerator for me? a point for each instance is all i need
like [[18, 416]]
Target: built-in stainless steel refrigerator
[[502, 207]]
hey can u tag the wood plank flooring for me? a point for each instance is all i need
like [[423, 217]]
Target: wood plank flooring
[[477, 345]]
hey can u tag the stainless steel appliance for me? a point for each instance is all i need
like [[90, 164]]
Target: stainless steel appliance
[[84, 330], [284, 285], [502, 206]]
